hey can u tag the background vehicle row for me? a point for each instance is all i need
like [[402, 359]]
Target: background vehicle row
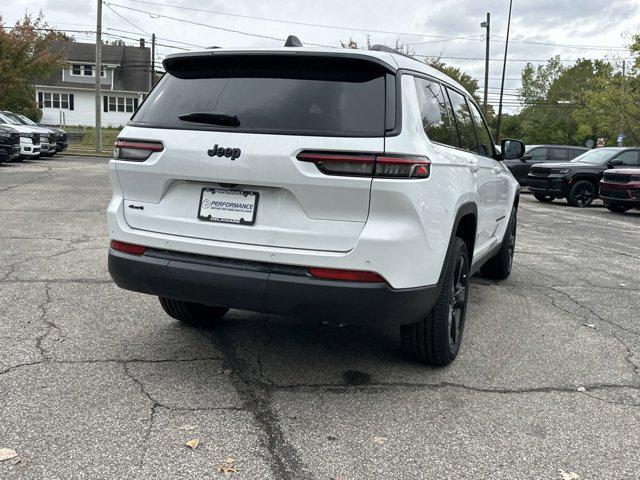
[[578, 180], [34, 140]]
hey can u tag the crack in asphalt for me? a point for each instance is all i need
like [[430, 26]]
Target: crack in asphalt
[[14, 266], [43, 318], [284, 460], [628, 353], [45, 173], [591, 311], [376, 387]]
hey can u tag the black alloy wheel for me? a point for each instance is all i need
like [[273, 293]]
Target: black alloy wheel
[[582, 194], [458, 303]]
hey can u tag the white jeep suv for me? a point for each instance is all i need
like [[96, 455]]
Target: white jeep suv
[[345, 186]]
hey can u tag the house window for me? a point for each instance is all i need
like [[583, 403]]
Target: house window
[[55, 100], [79, 70], [120, 104]]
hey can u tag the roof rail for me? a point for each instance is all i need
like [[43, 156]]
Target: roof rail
[[293, 41], [383, 48]]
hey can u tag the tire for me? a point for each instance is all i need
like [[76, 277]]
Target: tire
[[436, 339], [499, 267], [581, 194], [194, 314], [617, 208], [541, 197]]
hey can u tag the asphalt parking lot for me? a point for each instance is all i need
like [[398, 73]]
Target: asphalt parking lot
[[98, 383]]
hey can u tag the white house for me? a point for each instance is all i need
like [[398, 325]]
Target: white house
[[67, 97]]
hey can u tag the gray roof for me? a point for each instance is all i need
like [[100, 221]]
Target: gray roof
[[131, 74]]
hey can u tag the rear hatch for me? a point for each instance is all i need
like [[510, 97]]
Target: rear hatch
[[228, 169]]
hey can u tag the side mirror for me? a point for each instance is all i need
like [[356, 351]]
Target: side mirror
[[525, 158], [614, 163], [512, 149]]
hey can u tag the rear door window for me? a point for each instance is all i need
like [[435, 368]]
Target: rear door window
[[574, 152], [485, 144], [556, 154], [466, 129], [437, 120], [280, 94]]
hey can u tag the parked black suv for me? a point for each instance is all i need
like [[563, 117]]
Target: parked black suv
[[9, 144], [541, 153], [577, 181]]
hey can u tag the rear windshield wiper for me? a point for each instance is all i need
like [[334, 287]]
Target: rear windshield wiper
[[225, 119]]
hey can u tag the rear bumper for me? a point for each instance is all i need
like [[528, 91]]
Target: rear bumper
[[268, 288]]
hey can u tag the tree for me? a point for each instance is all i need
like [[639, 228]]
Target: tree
[[613, 106], [556, 99], [350, 44], [27, 52], [467, 81]]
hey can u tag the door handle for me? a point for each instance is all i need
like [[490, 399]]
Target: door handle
[[497, 170], [473, 166]]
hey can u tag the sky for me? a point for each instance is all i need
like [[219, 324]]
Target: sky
[[449, 29]]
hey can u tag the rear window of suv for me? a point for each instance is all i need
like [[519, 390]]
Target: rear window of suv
[[283, 94]]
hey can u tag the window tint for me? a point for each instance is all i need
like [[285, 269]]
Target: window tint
[[271, 94], [538, 154], [629, 158], [485, 145], [462, 114], [558, 154], [574, 152], [436, 113]]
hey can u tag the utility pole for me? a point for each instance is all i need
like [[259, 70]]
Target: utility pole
[[153, 59], [504, 71], [623, 88], [486, 25], [98, 77]]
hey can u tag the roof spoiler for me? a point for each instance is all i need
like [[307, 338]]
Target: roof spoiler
[[293, 41]]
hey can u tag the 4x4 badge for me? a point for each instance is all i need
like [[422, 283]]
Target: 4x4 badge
[[217, 151]]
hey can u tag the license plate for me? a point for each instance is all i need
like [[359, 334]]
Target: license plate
[[228, 206]]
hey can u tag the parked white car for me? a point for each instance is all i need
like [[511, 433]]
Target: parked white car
[[346, 186], [30, 137], [47, 136]]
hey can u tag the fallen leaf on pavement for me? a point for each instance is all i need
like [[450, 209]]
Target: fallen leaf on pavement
[[7, 454], [568, 475], [379, 440], [590, 325], [230, 460], [193, 444], [582, 389], [226, 371], [226, 469]]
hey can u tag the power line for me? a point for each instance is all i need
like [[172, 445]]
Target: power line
[[508, 59], [125, 19], [290, 22], [564, 45], [230, 30]]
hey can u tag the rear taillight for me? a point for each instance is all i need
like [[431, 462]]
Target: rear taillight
[[347, 275], [135, 150], [128, 247], [368, 164]]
